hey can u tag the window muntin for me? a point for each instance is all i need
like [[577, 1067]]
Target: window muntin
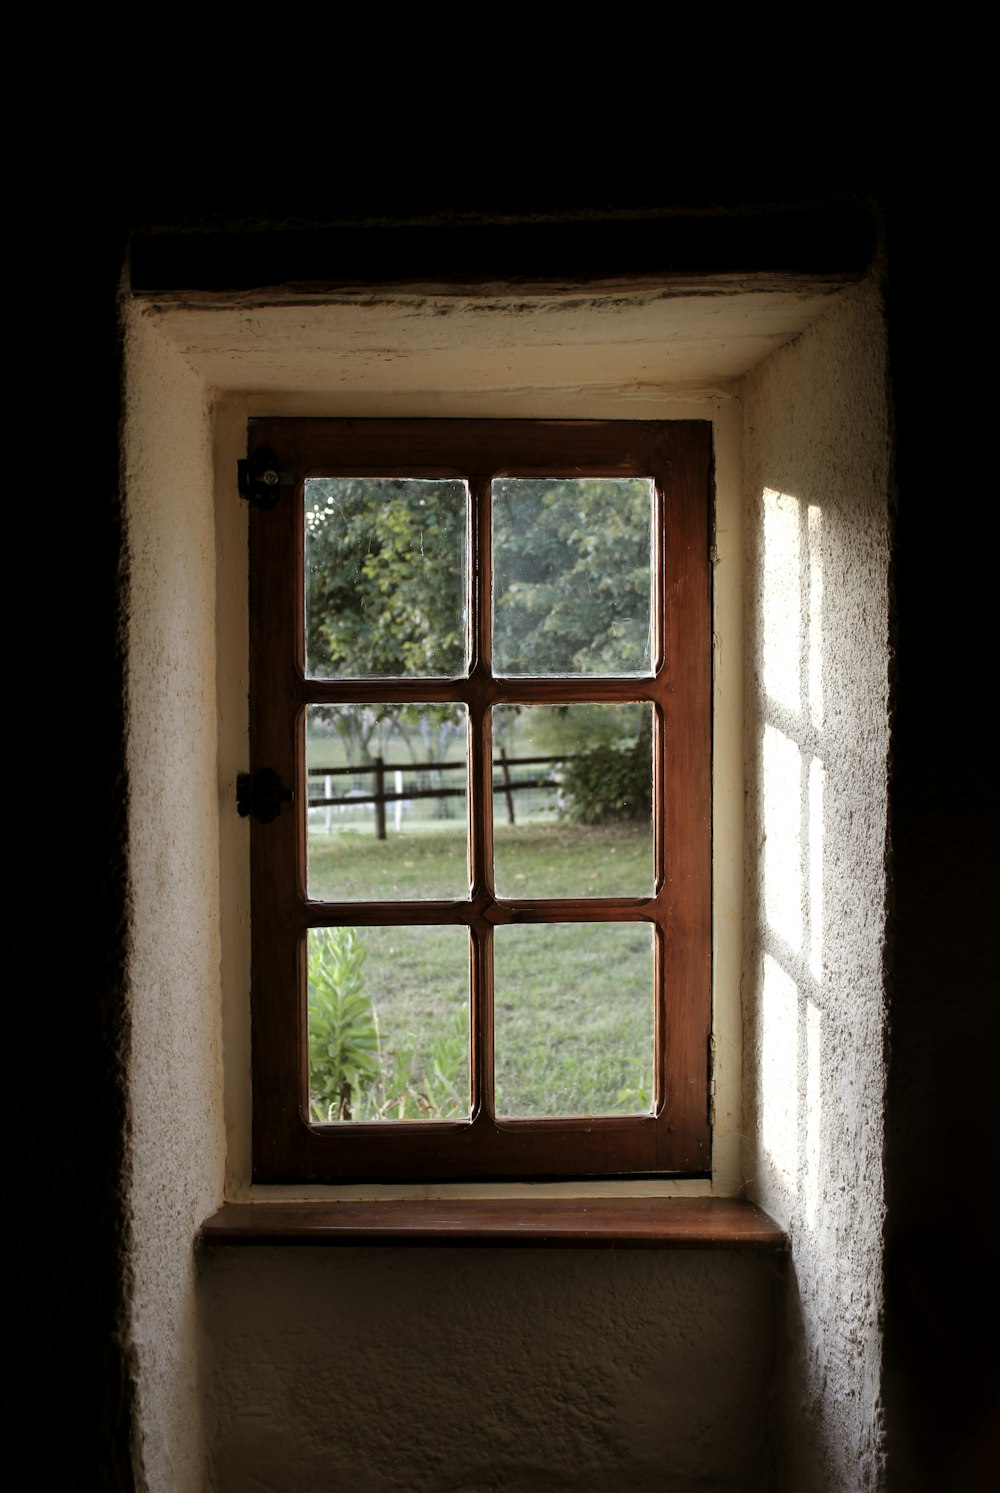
[[657, 1124]]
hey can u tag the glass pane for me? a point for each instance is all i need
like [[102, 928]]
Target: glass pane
[[572, 577], [574, 1019], [573, 800], [388, 1024], [387, 815], [385, 577]]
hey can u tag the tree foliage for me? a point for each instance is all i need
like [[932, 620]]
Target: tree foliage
[[572, 565], [385, 589], [385, 597], [384, 577]]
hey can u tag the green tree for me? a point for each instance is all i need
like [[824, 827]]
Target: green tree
[[384, 577], [573, 595], [385, 597], [572, 576], [385, 591]]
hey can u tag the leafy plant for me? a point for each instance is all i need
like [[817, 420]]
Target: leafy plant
[[351, 1075], [424, 1085], [343, 1033], [609, 784]]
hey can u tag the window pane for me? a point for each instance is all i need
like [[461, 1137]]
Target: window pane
[[388, 1024], [574, 1019], [572, 800], [572, 579], [387, 815], [385, 577]]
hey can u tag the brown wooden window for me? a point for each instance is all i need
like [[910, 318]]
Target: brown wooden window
[[481, 928]]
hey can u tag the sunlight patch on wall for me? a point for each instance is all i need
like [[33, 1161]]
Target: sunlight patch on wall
[[814, 909], [814, 532], [780, 1044], [781, 607], [783, 838], [814, 1111], [793, 793]]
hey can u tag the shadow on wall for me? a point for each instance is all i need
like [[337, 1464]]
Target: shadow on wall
[[489, 1371]]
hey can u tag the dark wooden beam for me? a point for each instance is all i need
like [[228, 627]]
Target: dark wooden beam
[[825, 245]]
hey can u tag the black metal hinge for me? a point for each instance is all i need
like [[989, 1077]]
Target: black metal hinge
[[260, 480], [259, 795]]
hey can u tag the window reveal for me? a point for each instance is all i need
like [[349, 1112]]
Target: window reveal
[[446, 615]]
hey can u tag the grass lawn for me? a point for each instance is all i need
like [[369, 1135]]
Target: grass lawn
[[573, 1002], [533, 860]]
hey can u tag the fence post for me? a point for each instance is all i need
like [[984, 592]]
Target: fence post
[[379, 775], [505, 771], [328, 793]]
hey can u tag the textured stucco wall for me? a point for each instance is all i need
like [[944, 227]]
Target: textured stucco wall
[[627, 1369], [485, 1371], [177, 1151], [816, 454]]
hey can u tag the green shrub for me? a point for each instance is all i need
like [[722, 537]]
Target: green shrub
[[609, 784]]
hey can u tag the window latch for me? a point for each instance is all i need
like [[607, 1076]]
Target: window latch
[[260, 480], [259, 795]]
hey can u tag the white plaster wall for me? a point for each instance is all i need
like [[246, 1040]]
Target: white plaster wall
[[816, 455], [490, 1371], [177, 1138], [614, 1370]]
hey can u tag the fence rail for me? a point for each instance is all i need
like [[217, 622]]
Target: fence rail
[[380, 796]]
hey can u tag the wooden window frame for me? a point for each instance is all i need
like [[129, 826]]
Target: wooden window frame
[[675, 1139]]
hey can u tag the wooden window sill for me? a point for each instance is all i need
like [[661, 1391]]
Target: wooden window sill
[[595, 1223]]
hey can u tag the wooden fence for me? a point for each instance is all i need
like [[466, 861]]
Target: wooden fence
[[380, 796]]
